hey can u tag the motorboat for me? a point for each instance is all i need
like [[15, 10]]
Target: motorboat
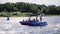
[[33, 23]]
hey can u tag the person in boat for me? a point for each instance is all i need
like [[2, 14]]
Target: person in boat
[[37, 19], [34, 20], [23, 19], [29, 18], [41, 17]]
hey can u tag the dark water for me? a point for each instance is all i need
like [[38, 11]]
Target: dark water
[[14, 27]]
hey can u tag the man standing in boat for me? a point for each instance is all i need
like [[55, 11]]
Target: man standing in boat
[[41, 18]]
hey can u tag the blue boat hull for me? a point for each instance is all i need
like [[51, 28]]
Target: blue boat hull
[[33, 23]]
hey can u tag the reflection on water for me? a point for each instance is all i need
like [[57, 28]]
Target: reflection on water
[[14, 27]]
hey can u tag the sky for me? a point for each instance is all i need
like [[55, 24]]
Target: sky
[[45, 2]]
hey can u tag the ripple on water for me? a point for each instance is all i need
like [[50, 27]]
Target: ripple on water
[[14, 27]]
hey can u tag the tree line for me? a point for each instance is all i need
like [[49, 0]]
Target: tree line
[[29, 8]]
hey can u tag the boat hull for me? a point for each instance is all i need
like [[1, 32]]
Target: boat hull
[[33, 23]]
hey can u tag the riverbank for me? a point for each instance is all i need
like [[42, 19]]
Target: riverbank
[[19, 14], [13, 14]]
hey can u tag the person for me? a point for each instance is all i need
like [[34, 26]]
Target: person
[[34, 20], [23, 19], [41, 17], [37, 19], [29, 18], [7, 17]]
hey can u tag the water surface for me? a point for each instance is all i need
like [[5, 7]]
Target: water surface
[[14, 27]]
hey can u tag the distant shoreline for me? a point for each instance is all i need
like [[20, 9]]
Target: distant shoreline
[[35, 16], [18, 14]]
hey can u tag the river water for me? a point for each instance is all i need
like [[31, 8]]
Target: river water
[[13, 26]]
